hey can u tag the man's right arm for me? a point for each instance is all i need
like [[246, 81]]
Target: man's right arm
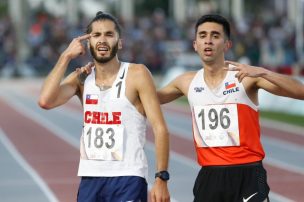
[[168, 93], [54, 92], [176, 88]]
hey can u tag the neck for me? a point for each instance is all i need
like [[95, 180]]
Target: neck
[[214, 74], [214, 68], [107, 70], [106, 73]]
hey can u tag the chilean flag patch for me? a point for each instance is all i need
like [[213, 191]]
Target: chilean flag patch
[[229, 85], [91, 99]]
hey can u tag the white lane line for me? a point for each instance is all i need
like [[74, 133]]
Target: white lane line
[[53, 127], [284, 127], [72, 141], [19, 159], [35, 116], [283, 165], [278, 198], [283, 144], [177, 157]]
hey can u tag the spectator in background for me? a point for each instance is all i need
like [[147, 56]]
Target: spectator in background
[[149, 35]]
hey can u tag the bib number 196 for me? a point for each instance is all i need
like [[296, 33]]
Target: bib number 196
[[217, 125], [215, 118]]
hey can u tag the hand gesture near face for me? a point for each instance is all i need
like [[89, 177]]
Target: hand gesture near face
[[244, 70], [76, 47], [84, 71]]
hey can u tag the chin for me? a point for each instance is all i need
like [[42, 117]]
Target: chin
[[208, 59]]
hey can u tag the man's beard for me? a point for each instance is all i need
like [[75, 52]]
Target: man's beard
[[113, 53]]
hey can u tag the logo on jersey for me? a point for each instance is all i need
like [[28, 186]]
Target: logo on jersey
[[199, 89], [91, 99], [230, 88], [229, 85], [96, 117]]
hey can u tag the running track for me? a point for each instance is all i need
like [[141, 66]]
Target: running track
[[39, 150]]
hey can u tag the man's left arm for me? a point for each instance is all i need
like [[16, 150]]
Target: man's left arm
[[149, 99], [275, 83]]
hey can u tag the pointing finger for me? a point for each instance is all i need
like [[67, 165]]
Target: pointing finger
[[227, 62], [231, 68], [84, 37], [90, 64]]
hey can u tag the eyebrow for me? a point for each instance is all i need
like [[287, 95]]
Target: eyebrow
[[105, 32], [212, 32]]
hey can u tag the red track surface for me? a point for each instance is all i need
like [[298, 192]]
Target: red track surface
[[282, 181], [57, 161], [53, 159]]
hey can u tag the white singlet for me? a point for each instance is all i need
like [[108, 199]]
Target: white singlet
[[114, 132]]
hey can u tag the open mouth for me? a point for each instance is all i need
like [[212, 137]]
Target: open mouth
[[102, 48], [208, 51]]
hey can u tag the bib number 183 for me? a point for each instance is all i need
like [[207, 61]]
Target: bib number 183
[[103, 142], [99, 140]]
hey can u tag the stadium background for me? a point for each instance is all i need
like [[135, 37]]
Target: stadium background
[[159, 34]]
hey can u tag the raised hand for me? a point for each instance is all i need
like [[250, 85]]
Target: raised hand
[[84, 71], [76, 47], [244, 70]]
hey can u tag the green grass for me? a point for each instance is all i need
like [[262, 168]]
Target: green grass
[[273, 115], [283, 117], [182, 100]]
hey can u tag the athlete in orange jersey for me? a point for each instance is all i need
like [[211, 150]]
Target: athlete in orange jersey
[[223, 97]]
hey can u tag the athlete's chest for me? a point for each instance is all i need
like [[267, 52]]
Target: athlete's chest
[[228, 90]]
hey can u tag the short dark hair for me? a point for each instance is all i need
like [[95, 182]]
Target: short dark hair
[[104, 16], [217, 19]]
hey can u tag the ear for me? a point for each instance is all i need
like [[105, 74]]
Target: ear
[[228, 45], [194, 45]]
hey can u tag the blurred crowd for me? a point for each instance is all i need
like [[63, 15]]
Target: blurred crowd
[[155, 41]]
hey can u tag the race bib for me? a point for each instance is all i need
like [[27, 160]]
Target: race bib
[[104, 142], [218, 125]]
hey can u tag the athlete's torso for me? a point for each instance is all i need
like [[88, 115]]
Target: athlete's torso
[[114, 131], [225, 122]]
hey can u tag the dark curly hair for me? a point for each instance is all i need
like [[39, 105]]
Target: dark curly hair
[[104, 16]]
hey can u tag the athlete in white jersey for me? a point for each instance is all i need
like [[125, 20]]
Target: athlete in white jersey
[[113, 138], [116, 97], [224, 106]]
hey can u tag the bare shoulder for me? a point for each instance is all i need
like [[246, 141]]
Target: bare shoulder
[[188, 75], [140, 85], [182, 82], [138, 69], [138, 74], [185, 78]]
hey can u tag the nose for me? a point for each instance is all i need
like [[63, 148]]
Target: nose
[[101, 39], [208, 40]]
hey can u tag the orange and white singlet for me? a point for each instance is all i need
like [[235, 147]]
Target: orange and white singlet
[[114, 132], [225, 122]]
